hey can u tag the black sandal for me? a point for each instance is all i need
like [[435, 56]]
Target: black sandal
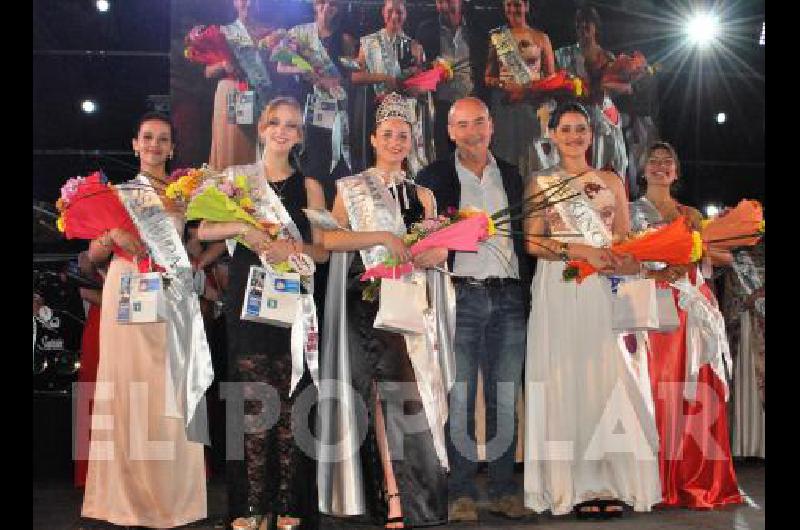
[[589, 510], [612, 508]]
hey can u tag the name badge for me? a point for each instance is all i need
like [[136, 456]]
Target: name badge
[[324, 113]]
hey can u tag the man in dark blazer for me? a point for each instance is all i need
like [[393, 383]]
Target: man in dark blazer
[[454, 35], [492, 303]]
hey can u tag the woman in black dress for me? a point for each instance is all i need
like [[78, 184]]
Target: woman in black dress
[[409, 487], [279, 477]]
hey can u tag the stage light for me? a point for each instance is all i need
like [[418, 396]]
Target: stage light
[[762, 39], [89, 106], [712, 210], [721, 118], [103, 5], [702, 28]]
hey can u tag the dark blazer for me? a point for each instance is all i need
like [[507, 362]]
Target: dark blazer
[[428, 34], [442, 179]]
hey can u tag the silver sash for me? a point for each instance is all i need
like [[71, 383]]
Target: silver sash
[[249, 60], [340, 132], [381, 58], [188, 362], [577, 212], [305, 329], [370, 207], [706, 337], [509, 56]]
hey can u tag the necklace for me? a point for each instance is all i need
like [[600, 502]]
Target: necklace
[[278, 189], [668, 203]]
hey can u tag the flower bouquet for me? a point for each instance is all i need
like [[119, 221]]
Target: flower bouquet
[[560, 82], [288, 49], [427, 80], [223, 200], [462, 231], [89, 206], [207, 45], [741, 226], [674, 244], [627, 68]]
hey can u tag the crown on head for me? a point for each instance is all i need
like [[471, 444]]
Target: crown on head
[[394, 106]]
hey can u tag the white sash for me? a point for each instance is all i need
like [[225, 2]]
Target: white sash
[[577, 213], [370, 207], [188, 365], [380, 57]]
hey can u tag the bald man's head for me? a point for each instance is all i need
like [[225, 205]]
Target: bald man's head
[[466, 104], [470, 125]]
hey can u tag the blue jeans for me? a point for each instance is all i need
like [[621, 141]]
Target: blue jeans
[[491, 326]]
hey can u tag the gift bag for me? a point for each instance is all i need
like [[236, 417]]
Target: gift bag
[[141, 298], [667, 311], [271, 298], [402, 303], [635, 306]]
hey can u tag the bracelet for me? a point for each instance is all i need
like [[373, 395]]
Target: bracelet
[[105, 239], [564, 251]]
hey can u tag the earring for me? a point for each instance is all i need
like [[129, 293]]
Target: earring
[[170, 156], [136, 154]]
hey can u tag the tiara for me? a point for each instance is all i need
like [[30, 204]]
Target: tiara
[[395, 106]]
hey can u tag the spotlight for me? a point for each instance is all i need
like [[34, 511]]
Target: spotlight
[[721, 118], [89, 106], [712, 210], [103, 5], [703, 28]]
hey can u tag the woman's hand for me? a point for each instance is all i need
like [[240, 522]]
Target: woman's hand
[[600, 258], [418, 52], [430, 258], [414, 91], [328, 83], [223, 67], [391, 83], [255, 238], [626, 264], [128, 242], [396, 247], [670, 274], [279, 250]]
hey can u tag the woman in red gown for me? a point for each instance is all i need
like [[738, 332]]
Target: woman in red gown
[[694, 456], [90, 354]]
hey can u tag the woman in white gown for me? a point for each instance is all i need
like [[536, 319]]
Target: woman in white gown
[[590, 441]]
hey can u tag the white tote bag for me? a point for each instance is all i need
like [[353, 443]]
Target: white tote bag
[[667, 311], [402, 305], [635, 307]]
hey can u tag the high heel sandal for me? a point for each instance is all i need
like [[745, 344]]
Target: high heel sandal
[[396, 519], [281, 523], [254, 522]]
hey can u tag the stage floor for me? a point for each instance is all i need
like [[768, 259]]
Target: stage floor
[[56, 506]]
